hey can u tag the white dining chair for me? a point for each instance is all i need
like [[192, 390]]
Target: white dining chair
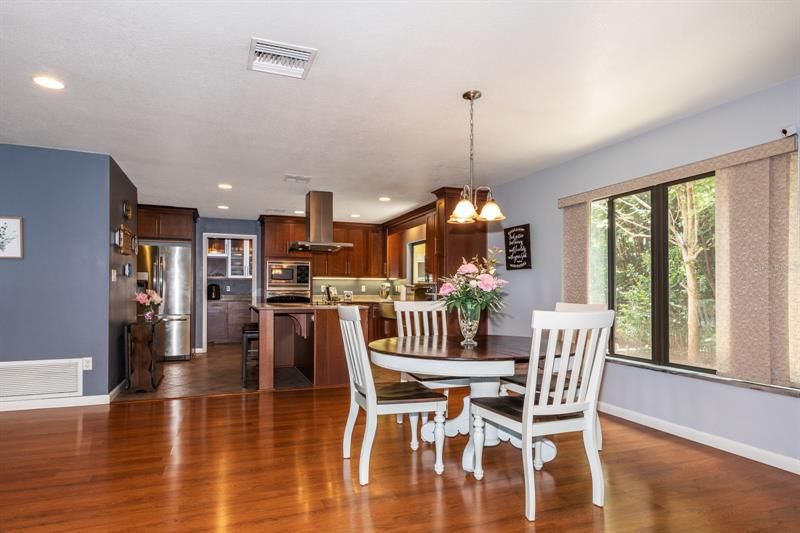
[[568, 406], [516, 383], [381, 399], [424, 319]]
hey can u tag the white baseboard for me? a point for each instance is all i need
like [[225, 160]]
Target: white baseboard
[[115, 391], [71, 401], [761, 455], [198, 350]]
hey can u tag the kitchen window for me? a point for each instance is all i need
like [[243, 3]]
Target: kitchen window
[[652, 259]]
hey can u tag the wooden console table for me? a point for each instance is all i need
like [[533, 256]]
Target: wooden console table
[[144, 355]]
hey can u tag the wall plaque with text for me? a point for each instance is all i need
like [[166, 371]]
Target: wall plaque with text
[[518, 247]]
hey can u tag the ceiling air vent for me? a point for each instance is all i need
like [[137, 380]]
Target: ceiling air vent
[[280, 58]]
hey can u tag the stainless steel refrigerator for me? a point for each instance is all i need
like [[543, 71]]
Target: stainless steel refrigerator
[[167, 269]]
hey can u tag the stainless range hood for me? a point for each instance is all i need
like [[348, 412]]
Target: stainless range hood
[[319, 225]]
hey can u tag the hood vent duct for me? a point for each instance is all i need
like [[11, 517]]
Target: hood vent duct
[[282, 59], [319, 225]]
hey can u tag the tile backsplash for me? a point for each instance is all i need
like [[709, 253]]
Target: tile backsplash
[[348, 284], [239, 286]]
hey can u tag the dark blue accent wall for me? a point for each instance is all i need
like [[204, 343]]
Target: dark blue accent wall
[[121, 308], [219, 225], [55, 301]]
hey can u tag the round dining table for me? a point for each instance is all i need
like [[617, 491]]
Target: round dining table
[[483, 365]]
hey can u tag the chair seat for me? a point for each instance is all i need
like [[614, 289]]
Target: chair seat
[[522, 380], [512, 406], [430, 377], [406, 392]]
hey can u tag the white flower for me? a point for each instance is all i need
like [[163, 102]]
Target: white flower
[[473, 283]]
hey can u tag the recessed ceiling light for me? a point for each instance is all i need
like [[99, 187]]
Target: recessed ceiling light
[[226, 186], [299, 212], [384, 199], [48, 82], [355, 215], [222, 207]]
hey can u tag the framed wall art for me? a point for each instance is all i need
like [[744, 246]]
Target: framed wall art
[[10, 237], [518, 247]]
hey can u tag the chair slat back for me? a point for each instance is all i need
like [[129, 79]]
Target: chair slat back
[[421, 319], [565, 377], [566, 306], [355, 349]]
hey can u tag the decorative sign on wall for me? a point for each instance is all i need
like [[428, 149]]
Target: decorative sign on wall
[[518, 247], [10, 237]]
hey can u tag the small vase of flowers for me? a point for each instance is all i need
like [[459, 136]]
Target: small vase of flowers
[[150, 299], [473, 288]]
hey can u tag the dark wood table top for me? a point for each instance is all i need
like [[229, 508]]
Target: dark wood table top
[[489, 348]]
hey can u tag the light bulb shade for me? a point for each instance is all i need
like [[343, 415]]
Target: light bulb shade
[[464, 209], [491, 212], [457, 220]]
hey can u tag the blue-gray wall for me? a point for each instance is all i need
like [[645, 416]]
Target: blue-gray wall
[[55, 301], [770, 422], [220, 225]]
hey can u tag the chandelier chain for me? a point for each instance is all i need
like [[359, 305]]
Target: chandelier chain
[[471, 148]]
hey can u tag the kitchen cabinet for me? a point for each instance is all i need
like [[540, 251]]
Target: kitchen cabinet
[[395, 258], [225, 320], [364, 259], [230, 258], [279, 232], [217, 322], [376, 245], [431, 245], [163, 222]]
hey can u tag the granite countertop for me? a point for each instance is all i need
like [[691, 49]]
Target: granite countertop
[[235, 298], [299, 308]]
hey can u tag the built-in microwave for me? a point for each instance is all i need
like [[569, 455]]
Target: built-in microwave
[[292, 275]]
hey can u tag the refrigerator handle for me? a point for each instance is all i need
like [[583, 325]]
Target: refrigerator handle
[[161, 276]]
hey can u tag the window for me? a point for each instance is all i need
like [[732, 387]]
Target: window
[[651, 258]]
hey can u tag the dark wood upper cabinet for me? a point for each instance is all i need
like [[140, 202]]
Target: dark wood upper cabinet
[[164, 222], [338, 261], [395, 256], [279, 232], [431, 245], [365, 259], [376, 246], [147, 223]]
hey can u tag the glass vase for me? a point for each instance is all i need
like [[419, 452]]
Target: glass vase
[[468, 319]]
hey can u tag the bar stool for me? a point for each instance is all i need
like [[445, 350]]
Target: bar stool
[[249, 333]]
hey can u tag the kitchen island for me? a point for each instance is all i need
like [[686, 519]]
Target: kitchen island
[[305, 337]]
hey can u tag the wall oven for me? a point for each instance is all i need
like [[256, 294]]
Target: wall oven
[[288, 277]]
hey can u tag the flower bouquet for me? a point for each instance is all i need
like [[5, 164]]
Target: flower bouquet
[[474, 288], [150, 299]]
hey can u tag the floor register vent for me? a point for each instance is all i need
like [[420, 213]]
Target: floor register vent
[[280, 58], [41, 379]]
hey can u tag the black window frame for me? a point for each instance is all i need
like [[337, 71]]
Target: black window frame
[[659, 280]]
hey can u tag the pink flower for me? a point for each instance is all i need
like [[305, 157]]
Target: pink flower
[[142, 298], [446, 289], [467, 268], [486, 282], [154, 297]]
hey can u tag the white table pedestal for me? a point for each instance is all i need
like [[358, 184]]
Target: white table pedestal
[[462, 425]]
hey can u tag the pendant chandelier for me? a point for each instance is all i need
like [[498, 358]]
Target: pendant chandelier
[[466, 211]]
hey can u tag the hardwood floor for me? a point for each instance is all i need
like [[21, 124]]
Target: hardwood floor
[[218, 371], [272, 462]]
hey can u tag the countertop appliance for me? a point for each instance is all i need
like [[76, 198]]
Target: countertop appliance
[[167, 269], [213, 291]]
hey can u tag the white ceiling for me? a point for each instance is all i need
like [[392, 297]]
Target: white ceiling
[[162, 86]]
